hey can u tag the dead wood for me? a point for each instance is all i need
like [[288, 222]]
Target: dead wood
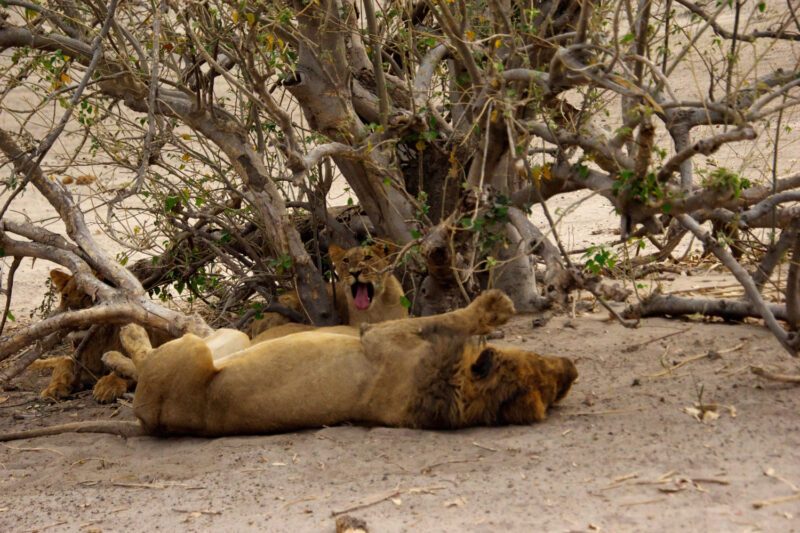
[[669, 305], [16, 365], [121, 428]]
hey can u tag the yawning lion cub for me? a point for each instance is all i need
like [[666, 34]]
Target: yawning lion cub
[[415, 372]]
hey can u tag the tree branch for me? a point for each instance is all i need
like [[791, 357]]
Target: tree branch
[[741, 275]]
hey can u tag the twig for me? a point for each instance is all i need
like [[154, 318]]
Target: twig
[[30, 449], [10, 287], [764, 503], [301, 500], [691, 359], [638, 345], [485, 447], [766, 374], [385, 497], [609, 412], [139, 485], [631, 504], [769, 472], [198, 511]]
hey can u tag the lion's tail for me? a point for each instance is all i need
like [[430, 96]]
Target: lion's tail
[[122, 428]]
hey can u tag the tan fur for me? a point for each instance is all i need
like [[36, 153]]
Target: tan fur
[[418, 372], [293, 327], [362, 264], [107, 388]]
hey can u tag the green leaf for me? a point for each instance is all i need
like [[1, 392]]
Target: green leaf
[[405, 302], [170, 202], [11, 317]]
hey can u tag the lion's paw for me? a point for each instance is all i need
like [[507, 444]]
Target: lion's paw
[[135, 340], [57, 390], [109, 388], [493, 309], [120, 364]]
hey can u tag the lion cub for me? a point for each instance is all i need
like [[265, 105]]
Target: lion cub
[[70, 375], [366, 293]]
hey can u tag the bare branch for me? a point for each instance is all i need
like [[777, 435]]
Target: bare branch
[[705, 146], [741, 275]]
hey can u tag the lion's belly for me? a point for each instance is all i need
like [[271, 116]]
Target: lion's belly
[[303, 380]]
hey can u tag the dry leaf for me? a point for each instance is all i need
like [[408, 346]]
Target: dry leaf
[[396, 501]]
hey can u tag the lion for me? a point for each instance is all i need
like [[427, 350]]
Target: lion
[[424, 373], [66, 378], [366, 293]]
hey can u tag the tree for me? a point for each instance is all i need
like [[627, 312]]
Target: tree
[[227, 123]]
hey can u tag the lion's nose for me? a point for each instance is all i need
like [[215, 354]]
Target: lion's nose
[[355, 273]]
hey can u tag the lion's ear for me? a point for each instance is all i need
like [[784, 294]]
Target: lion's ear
[[483, 366], [335, 253], [59, 279]]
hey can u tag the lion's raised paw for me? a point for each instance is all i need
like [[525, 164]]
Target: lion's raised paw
[[135, 340], [109, 388], [494, 308]]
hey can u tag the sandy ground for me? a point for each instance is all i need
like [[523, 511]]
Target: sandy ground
[[620, 453]]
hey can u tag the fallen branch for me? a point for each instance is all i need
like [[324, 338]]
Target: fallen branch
[[18, 364], [120, 428], [658, 305]]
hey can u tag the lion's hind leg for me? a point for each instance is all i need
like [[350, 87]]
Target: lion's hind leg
[[224, 342], [136, 342]]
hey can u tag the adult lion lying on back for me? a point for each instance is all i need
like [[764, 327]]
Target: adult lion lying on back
[[416, 372], [366, 293]]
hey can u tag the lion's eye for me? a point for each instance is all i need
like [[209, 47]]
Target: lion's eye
[[345, 260]]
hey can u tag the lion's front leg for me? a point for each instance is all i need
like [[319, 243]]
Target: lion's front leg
[[489, 310]]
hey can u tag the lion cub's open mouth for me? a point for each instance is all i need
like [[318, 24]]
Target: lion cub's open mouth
[[362, 295]]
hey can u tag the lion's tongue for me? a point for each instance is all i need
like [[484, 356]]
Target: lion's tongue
[[361, 301]]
